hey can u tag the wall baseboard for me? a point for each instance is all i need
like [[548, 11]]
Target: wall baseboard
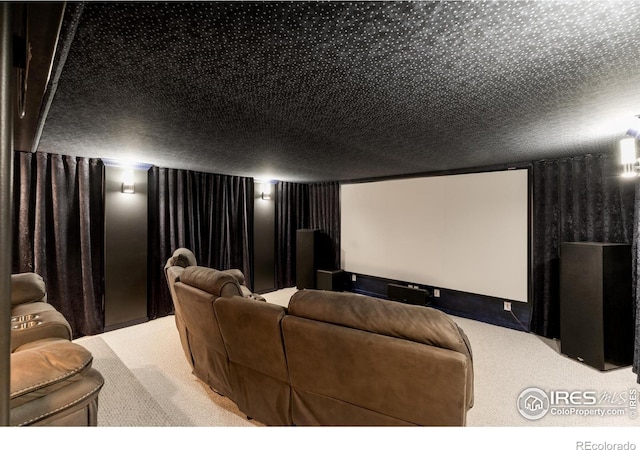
[[126, 324], [462, 304]]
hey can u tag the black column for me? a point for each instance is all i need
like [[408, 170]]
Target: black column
[[6, 195], [306, 258], [264, 247]]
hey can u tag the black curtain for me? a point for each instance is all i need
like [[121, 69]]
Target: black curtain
[[300, 205], [58, 232], [636, 280], [324, 214], [210, 214], [575, 199], [292, 213]]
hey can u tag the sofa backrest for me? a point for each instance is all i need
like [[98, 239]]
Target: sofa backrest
[[196, 292], [357, 360], [259, 375], [173, 268], [411, 322]]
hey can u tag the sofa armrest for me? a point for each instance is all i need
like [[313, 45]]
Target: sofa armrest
[[27, 287], [53, 383], [45, 366], [237, 274], [246, 293]]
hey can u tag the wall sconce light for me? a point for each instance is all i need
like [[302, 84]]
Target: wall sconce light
[[628, 158], [128, 185], [266, 191]]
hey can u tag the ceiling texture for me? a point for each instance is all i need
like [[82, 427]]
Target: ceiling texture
[[318, 91]]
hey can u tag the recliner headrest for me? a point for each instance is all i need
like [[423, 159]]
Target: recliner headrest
[[27, 287], [182, 257], [213, 281]]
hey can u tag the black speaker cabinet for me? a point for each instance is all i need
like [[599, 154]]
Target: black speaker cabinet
[[308, 257], [330, 280], [596, 325], [405, 294]]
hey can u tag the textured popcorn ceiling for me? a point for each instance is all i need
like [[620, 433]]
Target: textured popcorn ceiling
[[312, 91]]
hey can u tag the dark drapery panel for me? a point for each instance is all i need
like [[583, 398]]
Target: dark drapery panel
[[300, 205], [636, 280], [324, 214], [58, 232], [210, 214], [575, 199], [292, 213]]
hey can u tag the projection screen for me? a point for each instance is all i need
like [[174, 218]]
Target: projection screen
[[464, 232]]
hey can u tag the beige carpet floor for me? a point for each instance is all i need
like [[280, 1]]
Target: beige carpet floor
[[123, 400], [505, 362]]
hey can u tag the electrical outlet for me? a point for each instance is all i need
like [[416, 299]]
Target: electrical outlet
[[353, 277], [436, 292], [507, 306]]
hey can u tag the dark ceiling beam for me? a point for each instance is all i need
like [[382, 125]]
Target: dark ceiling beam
[[40, 25]]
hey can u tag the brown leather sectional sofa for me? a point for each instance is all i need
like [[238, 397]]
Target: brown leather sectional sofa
[[231, 282], [328, 359], [52, 379]]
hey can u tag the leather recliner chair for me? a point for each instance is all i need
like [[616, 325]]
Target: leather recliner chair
[[258, 369], [32, 318], [196, 292], [52, 379], [181, 259]]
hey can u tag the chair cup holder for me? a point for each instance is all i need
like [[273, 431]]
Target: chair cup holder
[[25, 321]]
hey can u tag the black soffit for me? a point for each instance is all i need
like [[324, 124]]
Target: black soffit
[[317, 91]]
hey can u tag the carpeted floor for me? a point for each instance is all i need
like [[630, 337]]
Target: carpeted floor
[[149, 381], [123, 401]]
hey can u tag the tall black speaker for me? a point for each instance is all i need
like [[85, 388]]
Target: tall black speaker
[[596, 312], [311, 255]]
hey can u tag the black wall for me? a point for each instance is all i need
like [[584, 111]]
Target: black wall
[[125, 277], [264, 241]]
